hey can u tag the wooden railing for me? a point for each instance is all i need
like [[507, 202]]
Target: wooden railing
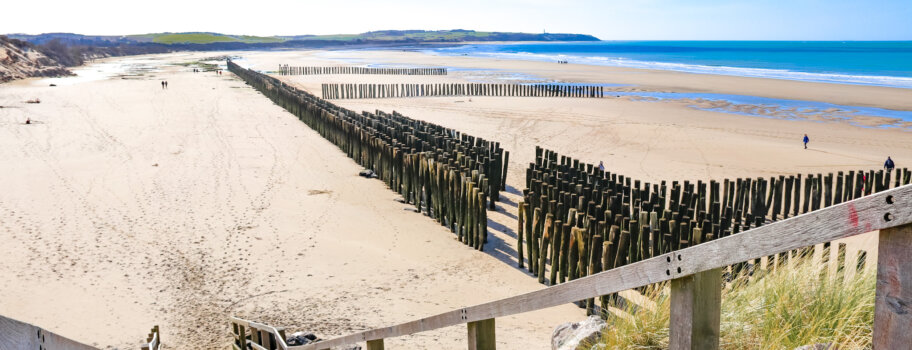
[[695, 274], [262, 337], [153, 340], [16, 335]]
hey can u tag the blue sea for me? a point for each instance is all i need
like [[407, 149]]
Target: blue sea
[[880, 63]]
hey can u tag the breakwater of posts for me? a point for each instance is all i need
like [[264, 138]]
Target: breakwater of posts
[[289, 70], [353, 91], [450, 176], [581, 220]]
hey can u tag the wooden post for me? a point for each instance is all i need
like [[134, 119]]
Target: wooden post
[[241, 340], [519, 234], [481, 335], [840, 261], [861, 260], [375, 344], [893, 298], [695, 311]]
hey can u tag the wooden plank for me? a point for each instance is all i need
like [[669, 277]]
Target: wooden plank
[[893, 300], [20, 335], [376, 344], [847, 219], [696, 303], [255, 331], [681, 317], [256, 346], [481, 335]]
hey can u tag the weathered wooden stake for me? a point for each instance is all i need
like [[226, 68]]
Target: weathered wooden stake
[[481, 335], [893, 297], [375, 344], [695, 311]]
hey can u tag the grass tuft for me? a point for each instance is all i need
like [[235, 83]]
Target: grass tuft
[[784, 309]]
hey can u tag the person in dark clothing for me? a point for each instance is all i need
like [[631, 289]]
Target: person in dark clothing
[[163, 84], [889, 164], [806, 140]]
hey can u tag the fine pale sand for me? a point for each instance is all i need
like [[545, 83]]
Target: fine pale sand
[[126, 205]]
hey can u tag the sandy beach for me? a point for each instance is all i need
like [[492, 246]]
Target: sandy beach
[[127, 205]]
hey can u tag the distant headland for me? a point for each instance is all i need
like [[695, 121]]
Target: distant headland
[[60, 50]]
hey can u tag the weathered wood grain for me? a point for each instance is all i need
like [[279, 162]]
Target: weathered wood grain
[[481, 335], [893, 300], [696, 305], [376, 344], [15, 335]]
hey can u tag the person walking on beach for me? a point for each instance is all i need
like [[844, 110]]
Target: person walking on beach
[[806, 140], [163, 84], [889, 165]]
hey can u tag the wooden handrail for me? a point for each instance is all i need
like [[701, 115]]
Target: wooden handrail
[[20, 335], [153, 341], [239, 327], [887, 209]]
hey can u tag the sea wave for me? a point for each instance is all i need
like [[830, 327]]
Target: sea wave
[[888, 81]]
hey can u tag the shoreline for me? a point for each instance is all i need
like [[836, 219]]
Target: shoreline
[[603, 115], [893, 101], [657, 80], [680, 64], [821, 102]]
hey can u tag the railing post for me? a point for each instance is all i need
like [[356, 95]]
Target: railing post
[[242, 337], [375, 344], [264, 338], [893, 300], [695, 311], [481, 335], [157, 336], [254, 335]]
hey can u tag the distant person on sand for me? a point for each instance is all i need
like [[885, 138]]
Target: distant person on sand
[[163, 84], [806, 140], [601, 166], [889, 165], [28, 120]]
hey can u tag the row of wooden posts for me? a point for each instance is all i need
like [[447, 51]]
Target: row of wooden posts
[[580, 220], [450, 176], [285, 69], [693, 277], [353, 91]]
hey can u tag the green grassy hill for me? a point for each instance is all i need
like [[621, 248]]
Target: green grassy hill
[[455, 35], [202, 38]]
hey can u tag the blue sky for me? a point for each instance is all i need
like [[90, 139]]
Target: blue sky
[[606, 19]]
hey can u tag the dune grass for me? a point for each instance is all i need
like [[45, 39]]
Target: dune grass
[[790, 307]]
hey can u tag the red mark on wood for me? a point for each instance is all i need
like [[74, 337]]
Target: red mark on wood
[[853, 215]]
